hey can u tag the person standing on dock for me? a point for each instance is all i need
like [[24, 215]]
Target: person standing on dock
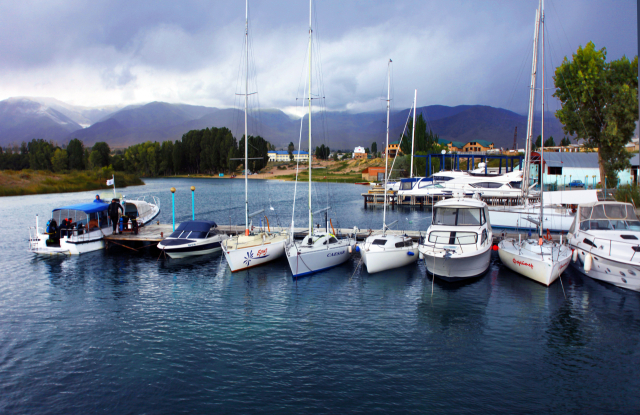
[[113, 212]]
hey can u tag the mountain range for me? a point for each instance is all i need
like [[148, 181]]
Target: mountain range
[[22, 119]]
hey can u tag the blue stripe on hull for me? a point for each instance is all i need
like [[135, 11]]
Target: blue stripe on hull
[[313, 272]]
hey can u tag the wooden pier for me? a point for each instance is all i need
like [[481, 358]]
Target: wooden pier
[[148, 236]]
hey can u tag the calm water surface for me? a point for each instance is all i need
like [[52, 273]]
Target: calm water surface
[[124, 332]]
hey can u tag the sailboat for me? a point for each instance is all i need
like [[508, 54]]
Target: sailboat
[[320, 249], [252, 248], [542, 260], [383, 252]]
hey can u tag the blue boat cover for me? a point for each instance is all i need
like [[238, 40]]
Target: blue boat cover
[[412, 179], [196, 225], [85, 207]]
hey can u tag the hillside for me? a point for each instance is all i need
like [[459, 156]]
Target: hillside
[[22, 119]]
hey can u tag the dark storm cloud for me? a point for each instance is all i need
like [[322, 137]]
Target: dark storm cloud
[[453, 52]]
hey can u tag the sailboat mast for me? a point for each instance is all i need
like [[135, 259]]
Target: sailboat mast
[[413, 136], [246, 136], [532, 89], [386, 152], [310, 157], [542, 127]]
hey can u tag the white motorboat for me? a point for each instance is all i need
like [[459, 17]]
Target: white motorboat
[[605, 238], [458, 242], [191, 238], [319, 250], [384, 252], [252, 248], [143, 209], [72, 230], [543, 260]]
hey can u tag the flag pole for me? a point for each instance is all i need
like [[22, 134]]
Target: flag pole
[[113, 179]]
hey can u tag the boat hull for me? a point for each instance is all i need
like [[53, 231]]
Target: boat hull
[[613, 272], [543, 272], [377, 261], [306, 263], [252, 256], [458, 268]]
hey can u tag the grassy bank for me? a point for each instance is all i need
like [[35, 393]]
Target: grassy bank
[[320, 177], [29, 182]]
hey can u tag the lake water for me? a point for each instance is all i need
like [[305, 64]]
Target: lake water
[[123, 332]]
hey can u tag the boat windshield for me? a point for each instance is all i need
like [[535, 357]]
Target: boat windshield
[[609, 216], [452, 216], [453, 238], [188, 234]]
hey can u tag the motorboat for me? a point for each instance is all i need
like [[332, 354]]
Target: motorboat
[[191, 238], [384, 251], [72, 230], [144, 209], [320, 249], [458, 242], [605, 238], [252, 248]]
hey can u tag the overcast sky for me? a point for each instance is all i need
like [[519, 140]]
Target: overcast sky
[[96, 53]]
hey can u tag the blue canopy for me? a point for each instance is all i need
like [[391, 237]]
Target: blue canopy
[[85, 207], [196, 225], [412, 179]]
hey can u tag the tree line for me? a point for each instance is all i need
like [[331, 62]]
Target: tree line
[[212, 150]]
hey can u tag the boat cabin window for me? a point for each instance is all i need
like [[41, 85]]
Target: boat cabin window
[[425, 184], [453, 238], [458, 216], [609, 216], [403, 243], [442, 178], [333, 240], [487, 185], [407, 185], [515, 185], [379, 242]]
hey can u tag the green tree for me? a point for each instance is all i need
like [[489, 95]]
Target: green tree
[[40, 153], [59, 160], [565, 142], [374, 148], [177, 157], [550, 142], [599, 104], [101, 157], [75, 152], [290, 149]]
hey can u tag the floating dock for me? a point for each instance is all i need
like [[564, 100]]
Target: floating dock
[[148, 236]]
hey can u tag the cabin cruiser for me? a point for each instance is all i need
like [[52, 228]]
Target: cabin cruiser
[[458, 243], [605, 237], [72, 230], [191, 238]]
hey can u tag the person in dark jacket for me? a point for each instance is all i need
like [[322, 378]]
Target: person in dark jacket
[[112, 210]]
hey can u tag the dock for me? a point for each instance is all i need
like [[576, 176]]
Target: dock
[[149, 235]]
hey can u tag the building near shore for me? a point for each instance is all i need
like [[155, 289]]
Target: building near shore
[[561, 168], [281, 155], [359, 153], [393, 149]]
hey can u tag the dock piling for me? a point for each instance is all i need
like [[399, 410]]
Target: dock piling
[[193, 203], [173, 207]]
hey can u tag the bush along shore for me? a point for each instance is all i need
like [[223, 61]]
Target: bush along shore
[[30, 182]]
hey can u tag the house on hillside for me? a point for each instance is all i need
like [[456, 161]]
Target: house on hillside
[[393, 148], [478, 145], [452, 146], [373, 174], [359, 153], [277, 155]]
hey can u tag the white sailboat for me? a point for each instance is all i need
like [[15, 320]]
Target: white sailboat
[[542, 260], [383, 252], [252, 248], [320, 249]]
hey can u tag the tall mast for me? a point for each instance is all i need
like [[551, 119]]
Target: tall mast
[[413, 137], [310, 212], [246, 136], [542, 128], [532, 89], [386, 152]]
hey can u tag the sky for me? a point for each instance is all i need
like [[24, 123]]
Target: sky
[[454, 52]]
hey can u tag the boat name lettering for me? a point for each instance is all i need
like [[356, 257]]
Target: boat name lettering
[[521, 263], [262, 252], [335, 253]]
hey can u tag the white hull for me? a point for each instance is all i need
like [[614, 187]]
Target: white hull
[[177, 255], [304, 263], [617, 273], [516, 218], [383, 260], [197, 248], [457, 268], [73, 245], [544, 272], [242, 254]]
